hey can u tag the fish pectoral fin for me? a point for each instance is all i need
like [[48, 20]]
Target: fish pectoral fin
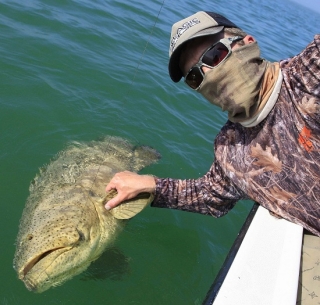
[[129, 208]]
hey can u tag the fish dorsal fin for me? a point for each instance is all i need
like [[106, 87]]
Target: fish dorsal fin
[[129, 208]]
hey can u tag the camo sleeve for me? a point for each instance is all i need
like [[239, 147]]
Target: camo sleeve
[[213, 194], [303, 72]]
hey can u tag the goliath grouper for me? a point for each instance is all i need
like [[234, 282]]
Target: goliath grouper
[[64, 225]]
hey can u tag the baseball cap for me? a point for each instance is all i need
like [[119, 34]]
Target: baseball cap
[[200, 24]]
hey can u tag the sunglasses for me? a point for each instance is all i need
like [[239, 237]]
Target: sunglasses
[[211, 58]]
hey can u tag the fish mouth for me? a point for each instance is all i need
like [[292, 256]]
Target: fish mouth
[[30, 285], [36, 260]]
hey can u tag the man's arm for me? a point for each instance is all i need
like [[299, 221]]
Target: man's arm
[[213, 194]]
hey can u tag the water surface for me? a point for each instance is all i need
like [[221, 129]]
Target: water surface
[[78, 70]]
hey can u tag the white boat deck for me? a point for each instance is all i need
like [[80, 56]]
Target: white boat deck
[[266, 268]]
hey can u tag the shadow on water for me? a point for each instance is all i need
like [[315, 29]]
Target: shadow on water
[[112, 265]]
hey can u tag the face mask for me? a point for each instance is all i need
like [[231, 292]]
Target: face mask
[[234, 85]]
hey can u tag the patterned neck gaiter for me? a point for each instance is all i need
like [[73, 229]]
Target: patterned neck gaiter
[[234, 86]]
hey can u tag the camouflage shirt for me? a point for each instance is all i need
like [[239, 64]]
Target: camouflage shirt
[[275, 163]]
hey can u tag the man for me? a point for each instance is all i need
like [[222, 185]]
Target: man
[[268, 151]]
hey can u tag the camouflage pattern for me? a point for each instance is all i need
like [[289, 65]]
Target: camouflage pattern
[[275, 163]]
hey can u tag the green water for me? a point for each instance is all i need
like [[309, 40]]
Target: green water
[[78, 70]]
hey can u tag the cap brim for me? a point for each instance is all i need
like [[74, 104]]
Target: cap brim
[[173, 66]]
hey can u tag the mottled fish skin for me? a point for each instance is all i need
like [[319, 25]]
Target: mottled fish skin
[[64, 226]]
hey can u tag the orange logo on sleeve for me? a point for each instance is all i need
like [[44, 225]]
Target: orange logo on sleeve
[[304, 139]]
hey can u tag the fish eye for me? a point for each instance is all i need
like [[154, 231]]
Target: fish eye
[[81, 235], [29, 236]]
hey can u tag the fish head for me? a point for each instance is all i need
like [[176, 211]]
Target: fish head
[[58, 240]]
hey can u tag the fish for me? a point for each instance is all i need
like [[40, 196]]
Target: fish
[[64, 225]]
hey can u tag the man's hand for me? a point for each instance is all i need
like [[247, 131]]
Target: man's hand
[[129, 185]]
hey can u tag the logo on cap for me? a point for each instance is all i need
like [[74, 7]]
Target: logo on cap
[[187, 25]]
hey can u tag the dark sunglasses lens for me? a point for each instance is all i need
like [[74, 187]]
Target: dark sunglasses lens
[[194, 78], [216, 55]]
